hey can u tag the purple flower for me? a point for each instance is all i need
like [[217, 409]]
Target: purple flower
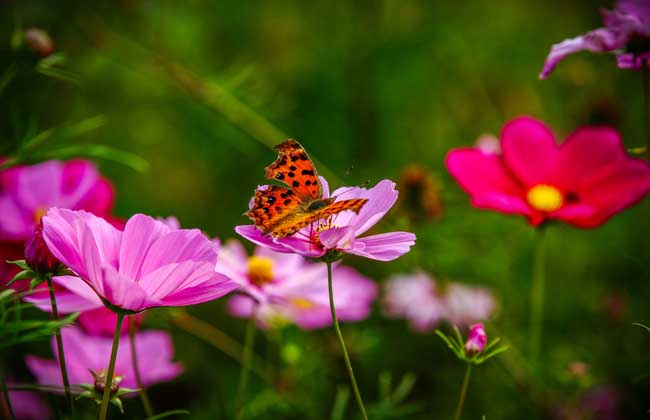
[[28, 405], [416, 298], [626, 33], [84, 353], [342, 231], [477, 340], [148, 264], [284, 288]]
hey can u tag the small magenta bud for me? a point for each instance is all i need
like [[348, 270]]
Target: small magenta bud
[[37, 255], [100, 382], [476, 340], [39, 42]]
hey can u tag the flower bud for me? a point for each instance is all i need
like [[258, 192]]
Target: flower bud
[[39, 42], [100, 382], [476, 341], [37, 255]]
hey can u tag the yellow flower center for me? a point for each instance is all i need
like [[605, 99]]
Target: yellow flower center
[[260, 270], [301, 303], [40, 212], [545, 197]]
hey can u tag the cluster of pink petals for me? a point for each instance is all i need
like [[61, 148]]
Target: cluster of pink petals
[[86, 352], [343, 232], [591, 171], [148, 264], [415, 297], [26, 192], [627, 28], [296, 291]]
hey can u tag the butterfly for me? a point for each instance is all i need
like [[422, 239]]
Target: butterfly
[[279, 211]]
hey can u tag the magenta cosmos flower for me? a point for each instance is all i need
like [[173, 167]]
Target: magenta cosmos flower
[[342, 232], [84, 353], [26, 192], [28, 405], [584, 181], [626, 33], [416, 298], [148, 264], [282, 288]]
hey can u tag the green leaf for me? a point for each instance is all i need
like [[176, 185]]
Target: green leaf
[[23, 275], [404, 388], [20, 263], [642, 326]]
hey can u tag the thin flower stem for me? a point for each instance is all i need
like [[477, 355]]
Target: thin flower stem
[[146, 403], [59, 346], [7, 401], [111, 368], [348, 365], [247, 356], [645, 79], [537, 297], [463, 392]]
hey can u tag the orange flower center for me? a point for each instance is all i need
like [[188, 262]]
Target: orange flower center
[[40, 212], [544, 197], [260, 270]]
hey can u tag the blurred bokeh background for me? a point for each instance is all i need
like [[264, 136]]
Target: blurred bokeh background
[[202, 89]]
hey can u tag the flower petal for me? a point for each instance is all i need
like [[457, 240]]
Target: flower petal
[[140, 233], [530, 151], [380, 198], [385, 246], [179, 246], [256, 236], [485, 178]]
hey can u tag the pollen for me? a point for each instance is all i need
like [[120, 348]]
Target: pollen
[[545, 198], [260, 270]]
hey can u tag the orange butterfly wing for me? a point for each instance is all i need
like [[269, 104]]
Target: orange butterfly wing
[[280, 211], [294, 168]]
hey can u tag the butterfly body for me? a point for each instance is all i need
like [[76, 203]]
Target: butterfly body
[[282, 211]]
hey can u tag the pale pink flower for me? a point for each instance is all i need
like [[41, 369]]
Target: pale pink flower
[[415, 298], [283, 288], [466, 304]]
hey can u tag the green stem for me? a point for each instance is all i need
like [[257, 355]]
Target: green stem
[[111, 368], [146, 403], [348, 365], [645, 79], [249, 340], [537, 298], [59, 346], [5, 393], [463, 392]]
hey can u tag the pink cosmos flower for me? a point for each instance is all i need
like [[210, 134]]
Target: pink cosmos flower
[[285, 288], [342, 232], [415, 297], [148, 264], [626, 33], [477, 339], [584, 181], [28, 405], [85, 352], [26, 192]]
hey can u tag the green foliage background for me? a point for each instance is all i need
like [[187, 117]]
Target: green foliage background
[[368, 87]]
